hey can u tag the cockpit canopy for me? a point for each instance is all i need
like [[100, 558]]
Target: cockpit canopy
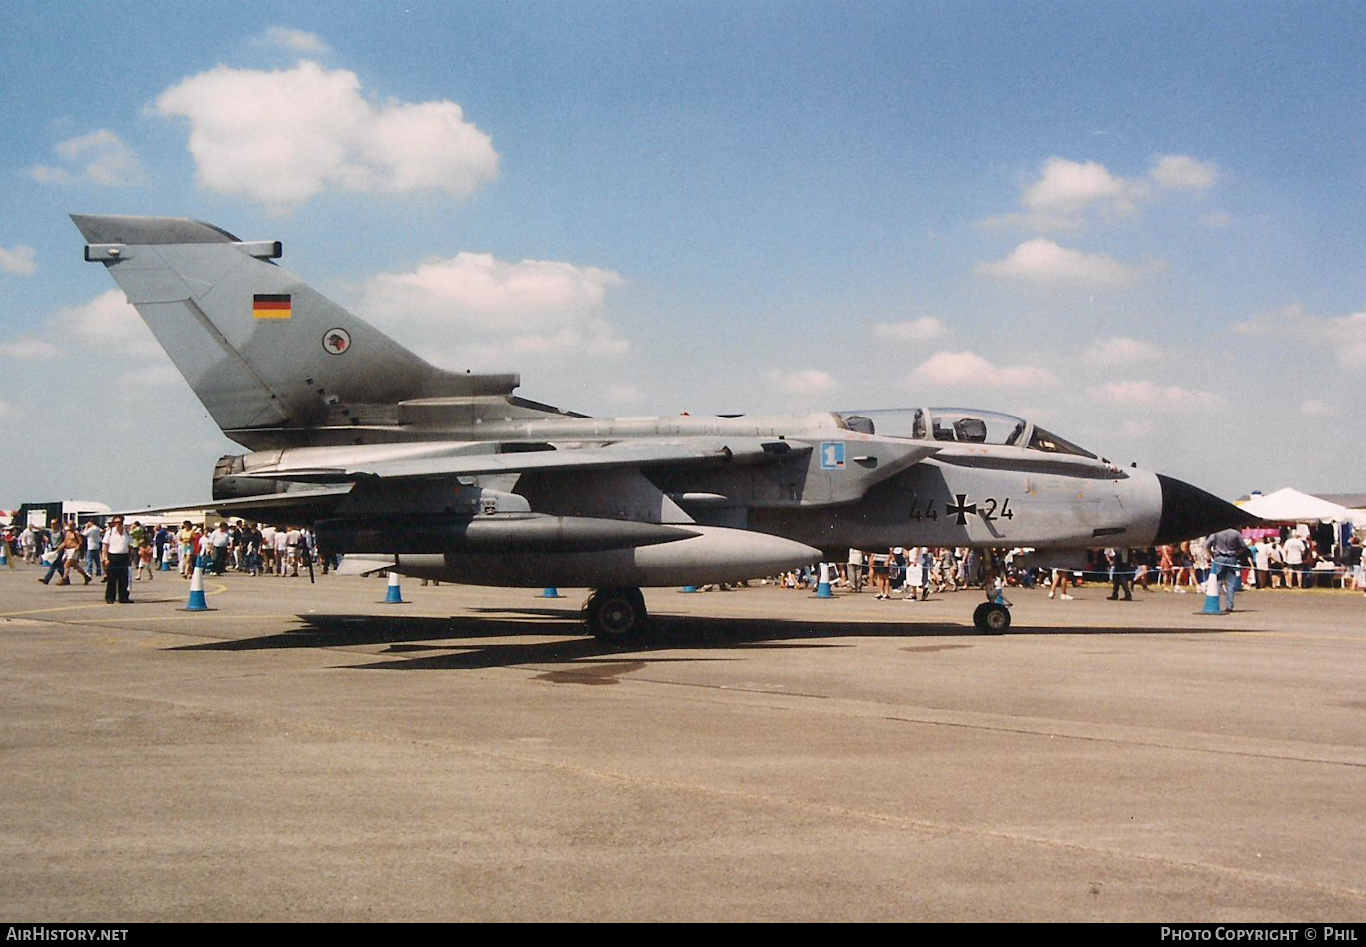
[[960, 426]]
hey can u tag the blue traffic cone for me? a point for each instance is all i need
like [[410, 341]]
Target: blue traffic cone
[[551, 592], [196, 602], [4, 553], [1212, 600], [394, 596], [823, 587]]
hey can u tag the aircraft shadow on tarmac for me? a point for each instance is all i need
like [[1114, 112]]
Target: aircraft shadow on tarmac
[[480, 641]]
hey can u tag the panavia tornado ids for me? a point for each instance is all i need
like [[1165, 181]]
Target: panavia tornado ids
[[451, 476]]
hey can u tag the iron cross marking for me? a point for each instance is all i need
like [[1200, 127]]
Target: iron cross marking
[[962, 509]]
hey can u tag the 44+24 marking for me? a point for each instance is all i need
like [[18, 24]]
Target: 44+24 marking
[[990, 509]]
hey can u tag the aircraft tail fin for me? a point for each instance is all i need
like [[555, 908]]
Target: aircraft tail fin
[[261, 348]]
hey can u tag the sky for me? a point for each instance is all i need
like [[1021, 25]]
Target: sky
[[1140, 225]]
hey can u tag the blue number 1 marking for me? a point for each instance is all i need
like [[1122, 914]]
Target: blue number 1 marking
[[832, 455]]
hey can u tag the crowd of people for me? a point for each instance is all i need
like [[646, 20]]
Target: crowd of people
[[1292, 561], [913, 571], [1269, 559], [252, 548], [120, 553]]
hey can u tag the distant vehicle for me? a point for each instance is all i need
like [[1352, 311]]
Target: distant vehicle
[[458, 479]]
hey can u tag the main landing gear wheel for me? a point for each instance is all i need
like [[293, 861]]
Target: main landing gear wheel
[[991, 618], [615, 614]]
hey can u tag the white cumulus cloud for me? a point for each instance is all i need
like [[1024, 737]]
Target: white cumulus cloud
[[30, 349], [1182, 172], [1280, 321], [1147, 394], [1070, 187], [18, 260], [109, 324], [154, 378], [624, 394], [298, 40], [493, 295], [1045, 263], [809, 381], [1344, 336], [924, 329], [1066, 193], [1350, 334], [281, 137], [969, 370], [1120, 350], [475, 307], [100, 157]]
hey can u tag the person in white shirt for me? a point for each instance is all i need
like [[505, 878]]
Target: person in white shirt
[[1261, 561], [204, 554], [281, 551], [1293, 551], [114, 550], [292, 540], [267, 549], [1275, 558], [218, 540], [93, 537]]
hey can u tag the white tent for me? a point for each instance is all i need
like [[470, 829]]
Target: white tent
[[1289, 505]]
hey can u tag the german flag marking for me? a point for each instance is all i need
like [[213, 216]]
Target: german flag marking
[[271, 306]]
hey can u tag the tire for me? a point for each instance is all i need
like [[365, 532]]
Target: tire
[[615, 614], [991, 618]]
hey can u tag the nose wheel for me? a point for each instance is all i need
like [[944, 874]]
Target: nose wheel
[[991, 618], [615, 614]]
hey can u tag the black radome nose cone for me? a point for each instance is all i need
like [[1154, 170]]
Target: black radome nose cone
[[1188, 512]]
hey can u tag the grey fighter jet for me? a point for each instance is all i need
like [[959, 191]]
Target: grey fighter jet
[[451, 476]]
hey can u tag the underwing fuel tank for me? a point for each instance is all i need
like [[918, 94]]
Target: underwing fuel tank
[[498, 534], [709, 554]]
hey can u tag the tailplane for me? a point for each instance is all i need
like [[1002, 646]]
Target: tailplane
[[261, 349]]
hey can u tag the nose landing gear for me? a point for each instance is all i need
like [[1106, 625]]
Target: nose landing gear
[[991, 618], [993, 615]]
